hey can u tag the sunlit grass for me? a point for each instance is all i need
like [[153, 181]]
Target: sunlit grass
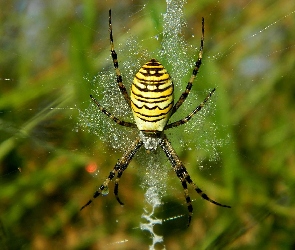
[[43, 152]]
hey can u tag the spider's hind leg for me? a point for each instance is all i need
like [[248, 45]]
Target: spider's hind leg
[[198, 64], [116, 64]]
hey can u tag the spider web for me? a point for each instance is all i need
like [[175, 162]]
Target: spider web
[[171, 53], [40, 159], [172, 50]]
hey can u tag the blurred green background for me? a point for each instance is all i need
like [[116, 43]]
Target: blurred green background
[[47, 48]]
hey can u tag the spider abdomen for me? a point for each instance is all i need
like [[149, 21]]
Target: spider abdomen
[[152, 96]]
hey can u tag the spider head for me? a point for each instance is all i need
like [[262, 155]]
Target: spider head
[[150, 139]]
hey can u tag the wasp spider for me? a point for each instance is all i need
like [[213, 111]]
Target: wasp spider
[[152, 104]]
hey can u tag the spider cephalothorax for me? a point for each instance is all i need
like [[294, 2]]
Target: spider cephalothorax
[[152, 104]]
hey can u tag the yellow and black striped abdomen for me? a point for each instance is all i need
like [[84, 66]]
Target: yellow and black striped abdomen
[[152, 96]]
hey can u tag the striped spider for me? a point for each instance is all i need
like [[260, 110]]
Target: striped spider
[[152, 103]]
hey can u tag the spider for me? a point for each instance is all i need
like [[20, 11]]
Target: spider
[[152, 103]]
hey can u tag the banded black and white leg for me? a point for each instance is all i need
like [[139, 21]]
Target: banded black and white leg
[[184, 176], [187, 118], [115, 119], [194, 74], [118, 170], [116, 64]]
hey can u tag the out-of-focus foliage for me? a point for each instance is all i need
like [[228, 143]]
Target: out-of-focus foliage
[[47, 48]]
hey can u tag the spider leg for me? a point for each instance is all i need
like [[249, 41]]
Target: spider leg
[[119, 168], [116, 64], [187, 118], [184, 176], [124, 162], [115, 119], [193, 76]]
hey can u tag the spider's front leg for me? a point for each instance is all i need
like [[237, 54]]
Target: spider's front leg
[[119, 168], [184, 176]]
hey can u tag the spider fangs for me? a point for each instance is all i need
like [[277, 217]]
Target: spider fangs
[[152, 103]]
